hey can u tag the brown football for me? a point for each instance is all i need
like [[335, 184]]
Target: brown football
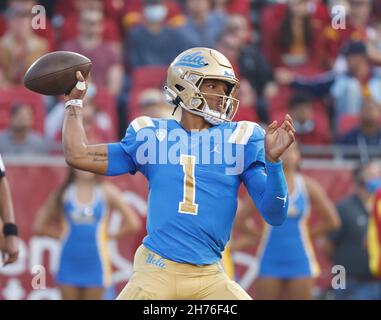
[[54, 73]]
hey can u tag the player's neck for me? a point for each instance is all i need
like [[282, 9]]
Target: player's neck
[[190, 122]]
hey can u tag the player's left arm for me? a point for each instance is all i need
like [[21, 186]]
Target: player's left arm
[[265, 180], [323, 206]]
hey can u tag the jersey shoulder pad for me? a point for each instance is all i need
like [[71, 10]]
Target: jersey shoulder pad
[[244, 131], [142, 122]]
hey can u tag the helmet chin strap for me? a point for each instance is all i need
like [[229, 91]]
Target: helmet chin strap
[[212, 116]]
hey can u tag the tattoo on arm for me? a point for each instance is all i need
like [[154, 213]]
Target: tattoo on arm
[[73, 113], [98, 156]]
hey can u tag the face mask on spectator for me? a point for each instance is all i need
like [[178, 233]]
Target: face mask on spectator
[[155, 13], [373, 184]]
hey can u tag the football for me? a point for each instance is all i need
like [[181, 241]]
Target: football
[[54, 73]]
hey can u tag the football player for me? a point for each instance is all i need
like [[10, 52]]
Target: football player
[[194, 168]]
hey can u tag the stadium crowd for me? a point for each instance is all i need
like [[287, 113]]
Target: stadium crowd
[[289, 56]]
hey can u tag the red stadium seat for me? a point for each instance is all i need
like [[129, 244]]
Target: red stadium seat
[[280, 100], [246, 113], [271, 17], [106, 102], [346, 123], [322, 133], [141, 79], [13, 95], [148, 77]]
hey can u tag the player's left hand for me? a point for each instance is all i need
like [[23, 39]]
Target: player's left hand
[[278, 139], [10, 251]]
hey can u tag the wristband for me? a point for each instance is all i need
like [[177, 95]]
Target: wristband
[[74, 103], [10, 229]]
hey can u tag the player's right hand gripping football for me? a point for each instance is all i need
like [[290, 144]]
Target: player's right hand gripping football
[[79, 91]]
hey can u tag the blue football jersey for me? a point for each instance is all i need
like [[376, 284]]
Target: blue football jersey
[[193, 182]]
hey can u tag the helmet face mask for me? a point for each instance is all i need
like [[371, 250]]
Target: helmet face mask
[[186, 75]]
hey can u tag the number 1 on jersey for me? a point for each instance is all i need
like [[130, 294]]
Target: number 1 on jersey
[[188, 204]]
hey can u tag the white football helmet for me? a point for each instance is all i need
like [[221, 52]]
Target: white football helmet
[[186, 75]]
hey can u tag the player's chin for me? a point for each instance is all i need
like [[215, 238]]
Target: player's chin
[[216, 107]]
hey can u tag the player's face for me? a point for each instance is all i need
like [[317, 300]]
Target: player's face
[[213, 90]]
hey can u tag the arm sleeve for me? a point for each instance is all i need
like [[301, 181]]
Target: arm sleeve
[[267, 187], [2, 168], [265, 181]]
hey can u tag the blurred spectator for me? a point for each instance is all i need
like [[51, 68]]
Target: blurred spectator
[[20, 138], [111, 8], [368, 133], [290, 38], [231, 7], [247, 110], [374, 44], [152, 43], [203, 25], [356, 29], [347, 245], [152, 104], [376, 11], [26, 6], [97, 123], [308, 128], [69, 12], [19, 46], [374, 233], [134, 14], [347, 89], [107, 70]]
